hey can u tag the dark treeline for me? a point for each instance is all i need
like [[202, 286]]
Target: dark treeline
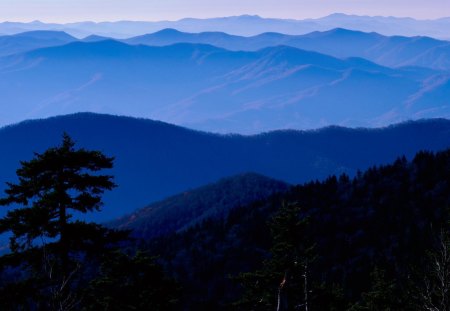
[[365, 243]]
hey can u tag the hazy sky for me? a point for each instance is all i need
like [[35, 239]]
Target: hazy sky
[[102, 10]]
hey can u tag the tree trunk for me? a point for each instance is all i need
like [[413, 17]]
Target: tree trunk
[[306, 285], [63, 240]]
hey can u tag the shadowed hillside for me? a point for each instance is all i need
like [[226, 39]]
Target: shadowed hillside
[[154, 160], [185, 210], [385, 219]]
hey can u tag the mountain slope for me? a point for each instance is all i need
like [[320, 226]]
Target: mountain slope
[[28, 41], [154, 160], [387, 218], [180, 212], [209, 88]]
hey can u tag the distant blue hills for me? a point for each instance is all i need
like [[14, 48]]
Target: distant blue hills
[[211, 88], [247, 25], [395, 51], [154, 160], [27, 41]]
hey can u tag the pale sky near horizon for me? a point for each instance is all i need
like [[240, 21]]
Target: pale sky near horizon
[[154, 10]]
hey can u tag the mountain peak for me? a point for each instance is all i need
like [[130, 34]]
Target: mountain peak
[[249, 17], [94, 38], [46, 34], [168, 31], [339, 31]]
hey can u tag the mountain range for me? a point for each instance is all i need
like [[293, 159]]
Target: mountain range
[[246, 25], [393, 51], [247, 152], [213, 89], [155, 160], [390, 51]]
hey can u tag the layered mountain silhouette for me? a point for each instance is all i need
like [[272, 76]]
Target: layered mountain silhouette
[[154, 160], [213, 89], [393, 51], [210, 130], [246, 25]]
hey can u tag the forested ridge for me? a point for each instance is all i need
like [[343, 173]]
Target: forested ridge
[[377, 241], [155, 160], [377, 228], [183, 211]]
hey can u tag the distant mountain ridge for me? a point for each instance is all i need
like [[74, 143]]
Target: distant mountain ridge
[[213, 89], [246, 25], [31, 40], [154, 160], [395, 51]]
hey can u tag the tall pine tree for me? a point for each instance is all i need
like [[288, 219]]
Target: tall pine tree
[[48, 248]]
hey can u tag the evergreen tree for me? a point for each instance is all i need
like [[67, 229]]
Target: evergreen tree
[[131, 283], [382, 296], [51, 185], [284, 283], [48, 248]]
